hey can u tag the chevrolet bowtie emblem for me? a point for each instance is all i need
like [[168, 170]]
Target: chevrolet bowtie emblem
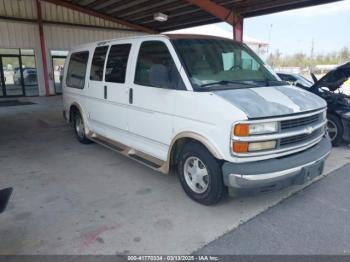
[[309, 130]]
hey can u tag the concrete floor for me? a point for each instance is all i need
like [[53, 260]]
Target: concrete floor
[[85, 199], [315, 221]]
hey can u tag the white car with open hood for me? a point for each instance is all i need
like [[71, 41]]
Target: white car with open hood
[[204, 106]]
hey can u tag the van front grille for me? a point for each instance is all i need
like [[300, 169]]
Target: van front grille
[[298, 122], [300, 138]]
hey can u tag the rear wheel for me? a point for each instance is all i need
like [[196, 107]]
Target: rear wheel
[[79, 129], [200, 174], [335, 129]]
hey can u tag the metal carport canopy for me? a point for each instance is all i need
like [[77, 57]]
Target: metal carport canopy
[[138, 14]]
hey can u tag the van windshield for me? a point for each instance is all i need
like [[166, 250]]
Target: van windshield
[[216, 64]]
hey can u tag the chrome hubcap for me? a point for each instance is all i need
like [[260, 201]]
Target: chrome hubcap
[[196, 175], [332, 129], [79, 127]]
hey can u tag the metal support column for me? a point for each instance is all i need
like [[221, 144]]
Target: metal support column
[[43, 48], [238, 30]]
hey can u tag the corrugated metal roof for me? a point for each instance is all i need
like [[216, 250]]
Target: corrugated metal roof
[[124, 13], [181, 13], [26, 9], [23, 9], [52, 12]]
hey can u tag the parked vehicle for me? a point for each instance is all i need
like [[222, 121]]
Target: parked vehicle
[[29, 76], [207, 107], [328, 87]]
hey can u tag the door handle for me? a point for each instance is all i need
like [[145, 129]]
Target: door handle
[[131, 96], [105, 92]]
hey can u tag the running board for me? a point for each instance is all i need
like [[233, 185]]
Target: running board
[[144, 161], [107, 144], [138, 156]]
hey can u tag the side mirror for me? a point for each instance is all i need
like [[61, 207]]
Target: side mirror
[[159, 76], [4, 198]]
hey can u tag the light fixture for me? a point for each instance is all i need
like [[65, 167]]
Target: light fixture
[[160, 17]]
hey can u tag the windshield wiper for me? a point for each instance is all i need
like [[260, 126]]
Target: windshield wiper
[[227, 82], [270, 82]]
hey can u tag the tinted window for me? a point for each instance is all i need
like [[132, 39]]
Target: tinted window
[[77, 69], [155, 53], [117, 63], [98, 62]]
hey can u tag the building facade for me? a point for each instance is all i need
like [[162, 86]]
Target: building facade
[[22, 63]]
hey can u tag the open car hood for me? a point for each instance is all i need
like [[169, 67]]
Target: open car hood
[[335, 78]]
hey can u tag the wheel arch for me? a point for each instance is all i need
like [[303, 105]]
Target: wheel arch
[[185, 137], [74, 107]]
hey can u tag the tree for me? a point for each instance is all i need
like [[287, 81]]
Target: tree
[[344, 55], [302, 60]]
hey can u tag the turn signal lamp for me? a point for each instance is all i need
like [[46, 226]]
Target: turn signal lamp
[[240, 147], [241, 130]]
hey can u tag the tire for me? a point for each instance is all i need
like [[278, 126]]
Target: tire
[[79, 129], [335, 129], [208, 187]]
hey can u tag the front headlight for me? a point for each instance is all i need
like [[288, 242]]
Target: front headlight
[[263, 128], [245, 147], [255, 129], [246, 129], [259, 146]]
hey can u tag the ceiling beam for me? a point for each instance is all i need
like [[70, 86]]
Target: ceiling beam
[[148, 12], [114, 6], [217, 10], [187, 24], [100, 15], [95, 3], [140, 7]]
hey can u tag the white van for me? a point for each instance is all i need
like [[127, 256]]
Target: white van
[[207, 106]]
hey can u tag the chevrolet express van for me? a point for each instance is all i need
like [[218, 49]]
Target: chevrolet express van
[[207, 107]]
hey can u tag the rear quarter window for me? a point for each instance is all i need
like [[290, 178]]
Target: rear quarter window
[[98, 62], [77, 69], [117, 63]]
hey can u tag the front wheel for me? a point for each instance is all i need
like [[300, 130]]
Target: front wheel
[[79, 129], [200, 174], [335, 129]]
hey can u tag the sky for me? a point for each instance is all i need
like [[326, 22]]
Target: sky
[[293, 31]]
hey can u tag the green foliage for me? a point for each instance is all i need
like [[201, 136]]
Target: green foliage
[[302, 60]]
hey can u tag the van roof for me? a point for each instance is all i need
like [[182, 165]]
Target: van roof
[[168, 36]]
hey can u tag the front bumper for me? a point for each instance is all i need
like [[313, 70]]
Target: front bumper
[[274, 174]]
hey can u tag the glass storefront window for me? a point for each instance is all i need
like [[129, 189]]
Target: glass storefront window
[[30, 78], [27, 52], [18, 73], [58, 59], [59, 53], [9, 51]]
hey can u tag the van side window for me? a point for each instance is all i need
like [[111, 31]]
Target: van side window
[[98, 62], [77, 69], [153, 54], [117, 63]]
